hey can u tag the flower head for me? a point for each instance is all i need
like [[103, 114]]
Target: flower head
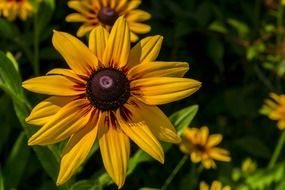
[[201, 147], [248, 166], [110, 93], [275, 109], [11, 9], [105, 12], [216, 185]]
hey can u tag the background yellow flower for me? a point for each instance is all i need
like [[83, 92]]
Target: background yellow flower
[[216, 185], [11, 9], [105, 12], [274, 108], [201, 146]]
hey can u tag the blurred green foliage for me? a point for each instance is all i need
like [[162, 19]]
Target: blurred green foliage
[[236, 48]]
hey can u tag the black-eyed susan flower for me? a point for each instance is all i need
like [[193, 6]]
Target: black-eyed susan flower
[[275, 109], [201, 146], [216, 185], [110, 93], [105, 12], [11, 9]]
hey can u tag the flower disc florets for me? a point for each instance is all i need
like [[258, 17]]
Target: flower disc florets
[[108, 89], [108, 16]]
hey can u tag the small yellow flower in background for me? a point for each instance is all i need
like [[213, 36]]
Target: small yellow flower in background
[[105, 12], [201, 146], [110, 93], [216, 185], [275, 109], [11, 9], [248, 166]]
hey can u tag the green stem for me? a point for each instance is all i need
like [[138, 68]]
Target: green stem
[[174, 172], [277, 150], [36, 47], [279, 21]]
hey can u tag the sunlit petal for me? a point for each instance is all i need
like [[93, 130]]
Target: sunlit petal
[[115, 149]]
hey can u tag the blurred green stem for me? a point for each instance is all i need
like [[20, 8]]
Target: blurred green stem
[[277, 150], [279, 21], [36, 46], [174, 172]]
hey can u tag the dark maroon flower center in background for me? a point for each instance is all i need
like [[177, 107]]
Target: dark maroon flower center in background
[[108, 89], [107, 16]]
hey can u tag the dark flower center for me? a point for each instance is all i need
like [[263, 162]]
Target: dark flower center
[[200, 148], [108, 89], [107, 16]]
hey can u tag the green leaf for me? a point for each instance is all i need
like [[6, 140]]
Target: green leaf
[[44, 15], [14, 167], [7, 29], [10, 78], [86, 185], [281, 185], [139, 157], [11, 84], [182, 118], [217, 26], [148, 188], [241, 28], [265, 177], [2, 187]]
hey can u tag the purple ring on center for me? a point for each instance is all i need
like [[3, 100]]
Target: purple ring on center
[[106, 81]]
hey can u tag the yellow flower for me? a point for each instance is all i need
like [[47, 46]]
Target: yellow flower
[[105, 12], [275, 109], [248, 166], [110, 93], [216, 185], [201, 147], [11, 9]]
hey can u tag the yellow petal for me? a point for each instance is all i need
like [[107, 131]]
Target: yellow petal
[[145, 50], [216, 185], [281, 124], [133, 4], [136, 128], [80, 6], [208, 163], [77, 149], [115, 149], [46, 109], [75, 17], [67, 121], [158, 123], [162, 90], [204, 186], [226, 188], [121, 5], [219, 154], [139, 28], [214, 140], [84, 29], [79, 58], [204, 133], [97, 41], [134, 37], [196, 156], [138, 16], [54, 85], [68, 73], [118, 45], [158, 69]]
